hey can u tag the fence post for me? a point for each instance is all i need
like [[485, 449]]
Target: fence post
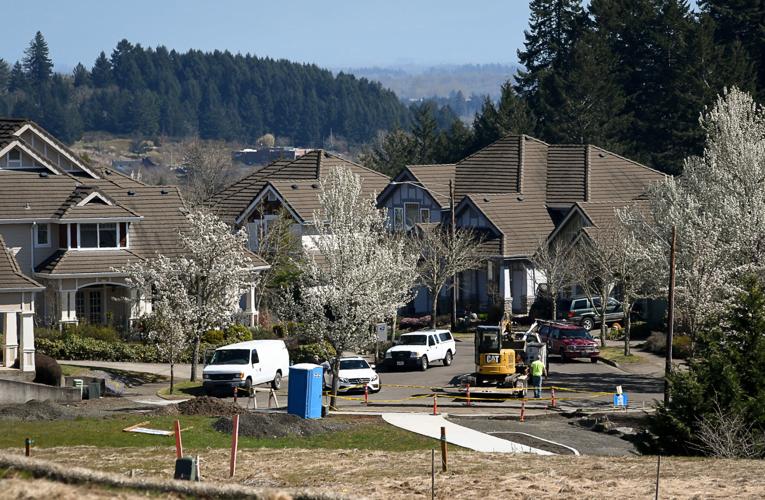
[[234, 444], [443, 449]]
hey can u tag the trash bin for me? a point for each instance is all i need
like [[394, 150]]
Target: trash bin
[[306, 381]]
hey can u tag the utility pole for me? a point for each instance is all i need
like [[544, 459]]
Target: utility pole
[[452, 230], [670, 316]]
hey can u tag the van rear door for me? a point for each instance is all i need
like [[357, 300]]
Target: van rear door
[[257, 369]]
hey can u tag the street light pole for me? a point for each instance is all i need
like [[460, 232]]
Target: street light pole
[[670, 317], [452, 230]]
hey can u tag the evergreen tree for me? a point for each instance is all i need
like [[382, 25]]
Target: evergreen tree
[[510, 116], [80, 75], [425, 134], [5, 76], [101, 74], [37, 62], [554, 28], [18, 79]]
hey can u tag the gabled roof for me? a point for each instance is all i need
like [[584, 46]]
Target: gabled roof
[[234, 202], [15, 127], [435, 179], [493, 169], [90, 202], [65, 263], [11, 277]]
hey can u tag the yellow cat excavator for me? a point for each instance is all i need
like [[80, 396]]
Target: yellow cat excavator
[[501, 358]]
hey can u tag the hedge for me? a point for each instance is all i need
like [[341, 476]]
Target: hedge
[[73, 347]]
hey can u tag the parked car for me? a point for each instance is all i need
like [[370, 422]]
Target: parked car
[[246, 364], [421, 348], [569, 341], [355, 372], [580, 311]]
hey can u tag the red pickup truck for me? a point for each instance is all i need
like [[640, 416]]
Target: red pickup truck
[[569, 341]]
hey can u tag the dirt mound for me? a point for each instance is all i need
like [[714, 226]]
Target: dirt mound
[[36, 410], [274, 425], [204, 406]]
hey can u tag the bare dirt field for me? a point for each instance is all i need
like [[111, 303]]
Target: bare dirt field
[[385, 475]]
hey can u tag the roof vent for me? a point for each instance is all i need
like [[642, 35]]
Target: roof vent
[[602, 155], [131, 193], [294, 186], [43, 174], [486, 200], [315, 186], [520, 197], [27, 207], [164, 191]]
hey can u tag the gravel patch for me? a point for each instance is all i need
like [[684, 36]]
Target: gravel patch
[[37, 410], [275, 425]]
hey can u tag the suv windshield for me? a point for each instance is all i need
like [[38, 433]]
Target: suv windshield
[[580, 333], [231, 357], [353, 364], [413, 339]]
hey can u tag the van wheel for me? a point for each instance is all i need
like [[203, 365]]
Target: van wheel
[[588, 324], [424, 363], [448, 358], [276, 383], [248, 386]]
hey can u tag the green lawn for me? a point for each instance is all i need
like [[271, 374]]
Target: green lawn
[[366, 433], [183, 389], [616, 354]]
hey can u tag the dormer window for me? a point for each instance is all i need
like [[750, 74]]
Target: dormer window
[[103, 235], [13, 159]]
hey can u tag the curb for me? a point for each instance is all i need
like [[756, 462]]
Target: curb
[[609, 362]]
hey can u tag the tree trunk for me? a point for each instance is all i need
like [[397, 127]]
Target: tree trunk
[[433, 310], [195, 358], [554, 311], [393, 328], [172, 376], [627, 327], [603, 307], [455, 284], [335, 381]]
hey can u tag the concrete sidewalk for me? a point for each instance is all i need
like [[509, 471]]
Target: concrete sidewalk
[[182, 371], [430, 425]]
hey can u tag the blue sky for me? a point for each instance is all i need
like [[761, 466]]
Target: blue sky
[[331, 33]]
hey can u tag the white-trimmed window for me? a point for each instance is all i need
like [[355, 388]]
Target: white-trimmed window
[[42, 235], [425, 215], [103, 235], [398, 218], [412, 214], [13, 158]]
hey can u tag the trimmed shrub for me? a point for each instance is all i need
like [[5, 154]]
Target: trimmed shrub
[[47, 370], [657, 343], [74, 347], [311, 353]]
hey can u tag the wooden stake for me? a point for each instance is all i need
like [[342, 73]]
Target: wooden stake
[[234, 444], [658, 468], [178, 440], [433, 473], [443, 449]]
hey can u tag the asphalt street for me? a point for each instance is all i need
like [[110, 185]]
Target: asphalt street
[[403, 389]]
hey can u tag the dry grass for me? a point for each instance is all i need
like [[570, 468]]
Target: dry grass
[[384, 475]]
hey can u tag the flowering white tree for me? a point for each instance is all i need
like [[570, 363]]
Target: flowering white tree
[[211, 272], [358, 273], [718, 209], [443, 254], [553, 260]]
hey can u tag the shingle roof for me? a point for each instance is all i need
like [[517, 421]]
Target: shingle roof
[[66, 262], [315, 165], [435, 179], [11, 277], [515, 182], [72, 209]]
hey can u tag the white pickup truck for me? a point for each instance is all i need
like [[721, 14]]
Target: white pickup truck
[[419, 349]]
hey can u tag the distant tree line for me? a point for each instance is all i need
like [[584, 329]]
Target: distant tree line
[[217, 95], [632, 77]]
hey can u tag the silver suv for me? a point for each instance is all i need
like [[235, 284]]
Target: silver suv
[[580, 311]]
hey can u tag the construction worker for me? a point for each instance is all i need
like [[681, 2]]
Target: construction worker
[[538, 371]]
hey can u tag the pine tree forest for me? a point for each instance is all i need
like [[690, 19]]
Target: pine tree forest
[[632, 77]]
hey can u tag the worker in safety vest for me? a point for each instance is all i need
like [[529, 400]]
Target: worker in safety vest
[[537, 372]]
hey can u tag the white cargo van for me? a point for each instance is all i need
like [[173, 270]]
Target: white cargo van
[[246, 364]]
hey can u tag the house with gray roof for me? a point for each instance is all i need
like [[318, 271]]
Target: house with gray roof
[[514, 193], [71, 227], [290, 185]]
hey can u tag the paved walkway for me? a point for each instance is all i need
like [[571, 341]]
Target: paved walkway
[[430, 425], [182, 371]]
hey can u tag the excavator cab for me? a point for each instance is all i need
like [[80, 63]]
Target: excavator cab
[[495, 359]]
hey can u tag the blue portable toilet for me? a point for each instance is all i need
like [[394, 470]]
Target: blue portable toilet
[[306, 382]]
